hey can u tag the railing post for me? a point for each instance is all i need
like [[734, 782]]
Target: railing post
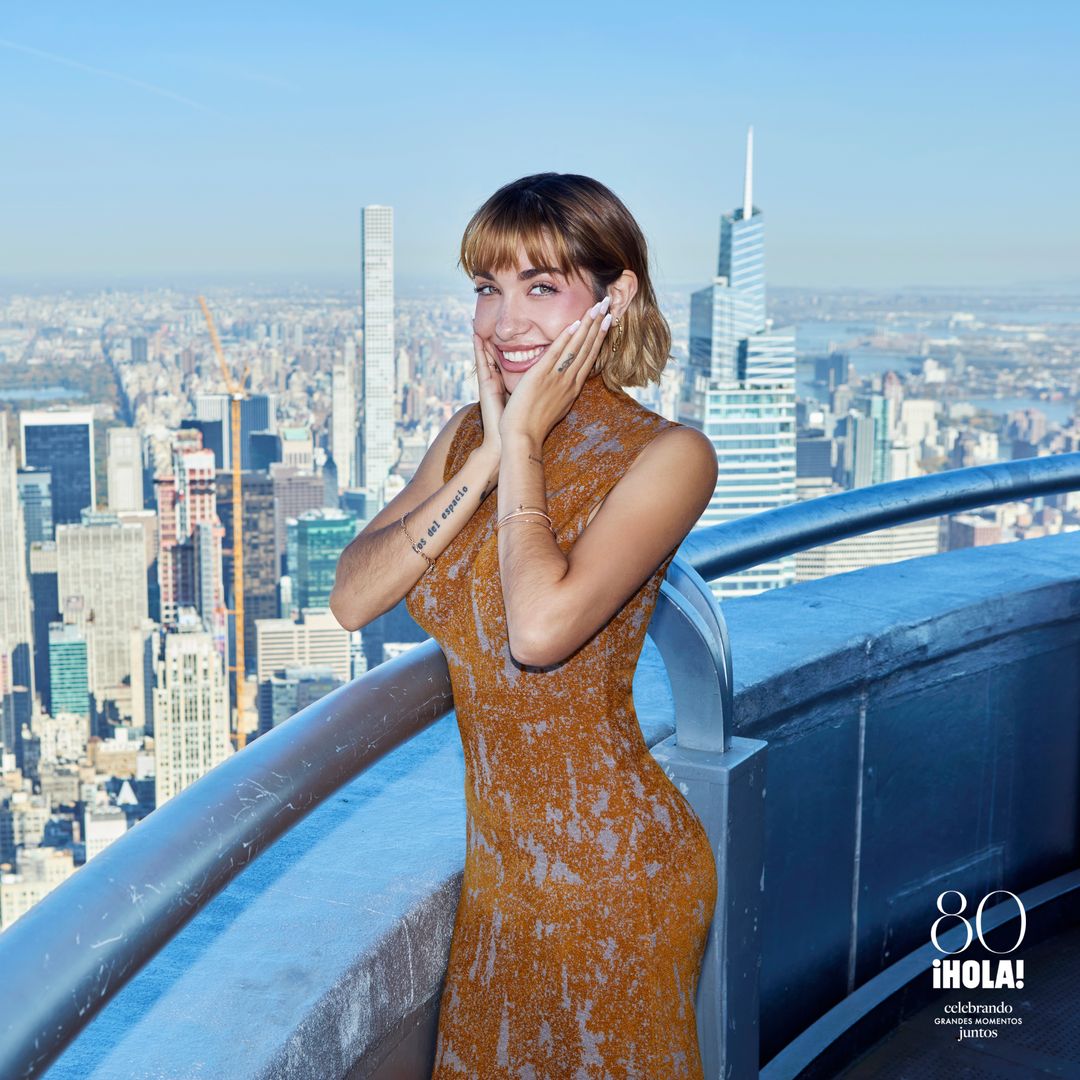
[[723, 779]]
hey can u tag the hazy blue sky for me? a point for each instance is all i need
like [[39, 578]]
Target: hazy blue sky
[[896, 143]]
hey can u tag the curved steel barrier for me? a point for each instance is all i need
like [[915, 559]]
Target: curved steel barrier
[[118, 910], [738, 545], [72, 951]]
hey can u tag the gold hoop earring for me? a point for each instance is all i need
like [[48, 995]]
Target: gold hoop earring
[[617, 343]]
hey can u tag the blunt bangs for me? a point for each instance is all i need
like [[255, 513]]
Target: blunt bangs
[[491, 239], [575, 225]]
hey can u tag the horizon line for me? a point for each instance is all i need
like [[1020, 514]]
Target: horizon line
[[341, 280]]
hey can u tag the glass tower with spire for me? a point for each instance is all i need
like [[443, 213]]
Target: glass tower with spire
[[740, 388]]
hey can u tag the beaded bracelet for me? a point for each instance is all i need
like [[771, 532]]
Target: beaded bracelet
[[412, 542]]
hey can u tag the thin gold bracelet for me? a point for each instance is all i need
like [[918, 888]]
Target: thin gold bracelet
[[412, 542], [528, 522], [523, 513]]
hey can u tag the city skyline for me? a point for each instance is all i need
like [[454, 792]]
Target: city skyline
[[115, 643], [895, 147]]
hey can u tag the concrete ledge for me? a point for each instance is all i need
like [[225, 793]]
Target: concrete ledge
[[844, 632]]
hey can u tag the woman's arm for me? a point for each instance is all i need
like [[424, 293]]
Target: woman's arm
[[380, 566], [555, 602]]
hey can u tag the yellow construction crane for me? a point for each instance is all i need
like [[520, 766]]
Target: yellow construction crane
[[237, 392]]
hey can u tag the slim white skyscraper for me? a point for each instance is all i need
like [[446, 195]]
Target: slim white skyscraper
[[125, 468], [377, 320], [191, 707], [740, 388]]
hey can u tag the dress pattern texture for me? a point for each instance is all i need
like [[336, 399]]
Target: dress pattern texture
[[589, 881]]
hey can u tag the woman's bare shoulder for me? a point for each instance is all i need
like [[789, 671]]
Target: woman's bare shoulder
[[676, 442]]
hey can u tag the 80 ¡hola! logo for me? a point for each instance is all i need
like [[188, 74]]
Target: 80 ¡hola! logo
[[976, 974]]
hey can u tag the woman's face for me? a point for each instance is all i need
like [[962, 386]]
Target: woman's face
[[520, 312]]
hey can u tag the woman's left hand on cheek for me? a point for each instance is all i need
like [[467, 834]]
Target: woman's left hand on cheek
[[545, 393]]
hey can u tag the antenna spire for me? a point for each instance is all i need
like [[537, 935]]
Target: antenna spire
[[748, 185]]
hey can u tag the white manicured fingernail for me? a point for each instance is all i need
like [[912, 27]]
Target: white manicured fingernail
[[573, 326], [607, 321]]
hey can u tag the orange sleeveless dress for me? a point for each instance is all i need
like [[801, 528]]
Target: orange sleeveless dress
[[589, 881]]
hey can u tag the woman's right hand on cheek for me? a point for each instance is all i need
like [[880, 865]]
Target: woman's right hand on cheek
[[493, 395]]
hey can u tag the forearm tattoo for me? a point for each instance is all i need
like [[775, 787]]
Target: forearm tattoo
[[451, 506], [539, 461]]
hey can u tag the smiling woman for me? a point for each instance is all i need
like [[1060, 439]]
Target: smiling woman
[[589, 882], [520, 312], [566, 239]]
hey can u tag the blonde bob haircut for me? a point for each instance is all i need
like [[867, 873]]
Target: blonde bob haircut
[[576, 225]]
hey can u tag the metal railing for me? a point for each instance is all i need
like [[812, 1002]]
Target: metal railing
[[66, 957], [771, 534]]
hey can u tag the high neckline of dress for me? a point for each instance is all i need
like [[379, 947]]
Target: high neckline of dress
[[586, 406], [593, 388]]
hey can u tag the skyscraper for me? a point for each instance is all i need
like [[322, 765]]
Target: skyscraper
[[343, 421], [260, 555], [321, 536], [258, 412], [15, 634], [214, 436], [101, 571], [379, 451], [45, 595], [69, 689], [214, 409], [7, 706], [265, 449], [63, 440], [316, 639], [297, 448], [739, 388], [125, 468], [191, 707], [189, 567], [295, 492], [35, 491]]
